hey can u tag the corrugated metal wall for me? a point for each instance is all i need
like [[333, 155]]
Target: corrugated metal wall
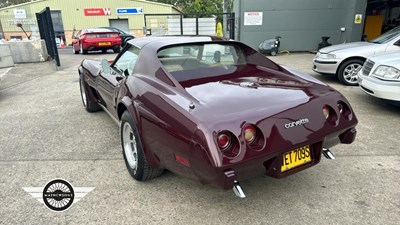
[[72, 12], [300, 23]]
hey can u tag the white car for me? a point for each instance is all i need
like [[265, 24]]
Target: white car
[[380, 77], [345, 60]]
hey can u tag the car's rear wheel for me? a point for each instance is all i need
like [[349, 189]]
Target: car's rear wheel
[[104, 50], [83, 51], [89, 105], [348, 71], [135, 159]]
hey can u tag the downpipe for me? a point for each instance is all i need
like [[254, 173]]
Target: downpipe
[[237, 189], [328, 154]]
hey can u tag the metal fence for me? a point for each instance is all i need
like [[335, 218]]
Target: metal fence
[[189, 24]]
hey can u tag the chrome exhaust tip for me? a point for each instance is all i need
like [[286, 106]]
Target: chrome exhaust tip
[[328, 154], [237, 189]]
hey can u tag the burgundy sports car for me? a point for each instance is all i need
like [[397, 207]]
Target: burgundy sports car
[[215, 111]]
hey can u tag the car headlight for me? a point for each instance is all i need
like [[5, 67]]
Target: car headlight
[[387, 72], [325, 56]]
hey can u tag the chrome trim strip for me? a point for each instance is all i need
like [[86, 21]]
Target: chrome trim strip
[[108, 112]]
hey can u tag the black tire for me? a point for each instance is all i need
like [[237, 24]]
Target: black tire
[[347, 72], [130, 142], [89, 105], [81, 50], [117, 49], [104, 50]]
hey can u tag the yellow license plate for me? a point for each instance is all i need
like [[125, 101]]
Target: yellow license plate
[[104, 43], [295, 158]]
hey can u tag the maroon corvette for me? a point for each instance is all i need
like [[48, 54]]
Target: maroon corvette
[[215, 111]]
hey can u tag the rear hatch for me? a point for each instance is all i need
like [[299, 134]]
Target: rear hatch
[[103, 38]]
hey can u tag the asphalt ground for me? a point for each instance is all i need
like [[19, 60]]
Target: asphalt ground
[[45, 133]]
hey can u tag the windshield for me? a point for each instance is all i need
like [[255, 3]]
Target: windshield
[[388, 36]]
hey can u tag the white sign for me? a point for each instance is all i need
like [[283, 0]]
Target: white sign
[[253, 18], [19, 14], [358, 19], [22, 21]]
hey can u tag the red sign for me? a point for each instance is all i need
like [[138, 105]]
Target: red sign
[[97, 12]]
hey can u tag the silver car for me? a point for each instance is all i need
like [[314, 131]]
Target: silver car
[[380, 77], [345, 60]]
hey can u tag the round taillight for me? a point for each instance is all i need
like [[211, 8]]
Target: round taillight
[[345, 110], [224, 140], [325, 111], [249, 133]]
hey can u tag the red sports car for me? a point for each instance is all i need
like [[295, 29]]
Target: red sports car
[[215, 111], [98, 39]]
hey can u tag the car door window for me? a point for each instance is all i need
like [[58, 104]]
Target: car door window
[[127, 61]]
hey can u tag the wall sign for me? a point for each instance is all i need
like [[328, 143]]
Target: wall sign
[[19, 13], [253, 18], [127, 11], [22, 21], [358, 19], [97, 12]]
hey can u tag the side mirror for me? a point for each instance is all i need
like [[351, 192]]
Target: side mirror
[[105, 67]]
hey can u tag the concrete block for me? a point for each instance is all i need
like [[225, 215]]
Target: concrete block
[[30, 51], [6, 59]]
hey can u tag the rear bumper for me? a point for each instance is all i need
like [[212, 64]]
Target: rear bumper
[[270, 164], [99, 45]]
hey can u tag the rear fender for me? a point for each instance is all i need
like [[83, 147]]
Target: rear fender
[[132, 107]]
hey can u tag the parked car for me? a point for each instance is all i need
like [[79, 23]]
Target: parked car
[[345, 60], [215, 111], [96, 40], [125, 37], [380, 77]]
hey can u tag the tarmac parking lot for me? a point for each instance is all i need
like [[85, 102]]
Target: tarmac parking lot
[[46, 134]]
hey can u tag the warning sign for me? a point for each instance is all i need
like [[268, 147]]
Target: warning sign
[[253, 18], [358, 19]]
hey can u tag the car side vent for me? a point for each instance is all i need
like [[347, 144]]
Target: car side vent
[[367, 67]]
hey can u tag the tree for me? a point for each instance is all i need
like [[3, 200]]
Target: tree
[[206, 7], [5, 3]]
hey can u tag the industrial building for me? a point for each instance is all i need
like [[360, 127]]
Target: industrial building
[[70, 16], [302, 23]]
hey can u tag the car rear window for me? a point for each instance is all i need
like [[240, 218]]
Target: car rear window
[[101, 35], [191, 61]]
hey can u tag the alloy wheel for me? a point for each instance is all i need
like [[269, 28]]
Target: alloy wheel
[[83, 92], [130, 146], [350, 73]]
